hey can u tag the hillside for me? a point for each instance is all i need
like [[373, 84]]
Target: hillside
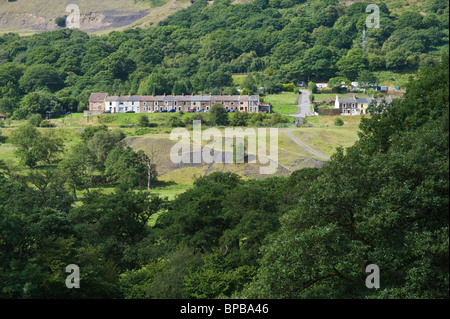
[[323, 137], [31, 16]]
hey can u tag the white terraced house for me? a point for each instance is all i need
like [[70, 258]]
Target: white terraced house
[[102, 102]]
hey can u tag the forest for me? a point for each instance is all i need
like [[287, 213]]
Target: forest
[[197, 49], [382, 201]]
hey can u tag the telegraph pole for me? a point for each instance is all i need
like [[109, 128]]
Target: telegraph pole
[[364, 40]]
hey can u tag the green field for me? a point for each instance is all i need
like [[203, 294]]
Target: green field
[[283, 103], [286, 98]]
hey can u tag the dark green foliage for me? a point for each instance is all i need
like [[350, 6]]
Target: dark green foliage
[[338, 122], [60, 21], [385, 201], [218, 115], [123, 166], [143, 121], [32, 147]]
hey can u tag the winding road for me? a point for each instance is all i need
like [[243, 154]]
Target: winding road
[[296, 140], [303, 110]]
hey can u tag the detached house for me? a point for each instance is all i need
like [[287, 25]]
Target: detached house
[[357, 105], [97, 102]]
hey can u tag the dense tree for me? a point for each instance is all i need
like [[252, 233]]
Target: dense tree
[[218, 115], [32, 147], [40, 76], [103, 142], [352, 64], [78, 168], [40, 102], [123, 165]]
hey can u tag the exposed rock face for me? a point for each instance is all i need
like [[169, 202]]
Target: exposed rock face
[[89, 22]]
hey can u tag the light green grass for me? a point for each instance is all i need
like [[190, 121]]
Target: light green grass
[[285, 109], [327, 139], [7, 154], [389, 78], [238, 80], [328, 121], [286, 98]]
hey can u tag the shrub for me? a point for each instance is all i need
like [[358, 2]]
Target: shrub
[[338, 121], [60, 22], [46, 123], [143, 121], [35, 120]]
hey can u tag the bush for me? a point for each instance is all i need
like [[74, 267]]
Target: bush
[[2, 138], [290, 87], [35, 120], [60, 22], [46, 123], [338, 121], [312, 87], [143, 121], [175, 121]]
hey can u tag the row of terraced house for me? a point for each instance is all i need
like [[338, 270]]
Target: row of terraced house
[[104, 103]]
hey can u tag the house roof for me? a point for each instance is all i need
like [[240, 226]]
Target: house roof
[[200, 98], [98, 97], [123, 98], [173, 98], [367, 100]]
